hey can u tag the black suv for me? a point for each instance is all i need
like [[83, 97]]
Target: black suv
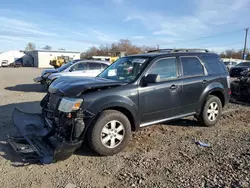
[[133, 92]]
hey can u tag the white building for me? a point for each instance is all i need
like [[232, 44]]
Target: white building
[[13, 56], [41, 58]]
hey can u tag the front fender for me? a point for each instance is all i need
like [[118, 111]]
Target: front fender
[[213, 87], [116, 102]]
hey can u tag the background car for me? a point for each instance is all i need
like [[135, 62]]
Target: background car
[[47, 72], [4, 63], [230, 64], [236, 70], [87, 68]]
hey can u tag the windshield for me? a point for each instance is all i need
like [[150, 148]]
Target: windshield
[[243, 64], [125, 69], [226, 63]]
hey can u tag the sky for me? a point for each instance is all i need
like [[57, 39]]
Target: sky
[[76, 25]]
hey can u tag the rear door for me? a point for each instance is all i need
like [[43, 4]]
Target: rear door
[[195, 79]]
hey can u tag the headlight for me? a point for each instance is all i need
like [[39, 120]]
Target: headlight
[[70, 104]]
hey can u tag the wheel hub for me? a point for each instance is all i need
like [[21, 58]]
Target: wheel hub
[[112, 134]]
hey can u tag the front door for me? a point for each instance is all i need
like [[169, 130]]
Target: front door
[[161, 100]]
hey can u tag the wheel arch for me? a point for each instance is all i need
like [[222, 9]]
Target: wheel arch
[[215, 89], [121, 104]]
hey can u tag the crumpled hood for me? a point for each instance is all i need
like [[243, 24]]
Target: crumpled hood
[[49, 71], [76, 85]]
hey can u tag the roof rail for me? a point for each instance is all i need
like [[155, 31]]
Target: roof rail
[[190, 50], [159, 50], [177, 50]]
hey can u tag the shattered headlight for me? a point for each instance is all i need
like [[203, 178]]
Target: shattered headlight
[[70, 104]]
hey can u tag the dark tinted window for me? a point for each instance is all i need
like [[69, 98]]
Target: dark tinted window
[[165, 68], [213, 64], [191, 66], [94, 66], [244, 64]]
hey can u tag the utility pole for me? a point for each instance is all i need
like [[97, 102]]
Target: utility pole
[[245, 46], [158, 47]]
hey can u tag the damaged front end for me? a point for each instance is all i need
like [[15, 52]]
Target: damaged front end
[[241, 87], [48, 137]]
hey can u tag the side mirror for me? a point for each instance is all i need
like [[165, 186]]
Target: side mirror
[[150, 79]]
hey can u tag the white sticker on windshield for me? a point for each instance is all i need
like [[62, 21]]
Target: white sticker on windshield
[[138, 60], [112, 72]]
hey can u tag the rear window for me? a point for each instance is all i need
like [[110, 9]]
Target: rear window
[[244, 64], [213, 64]]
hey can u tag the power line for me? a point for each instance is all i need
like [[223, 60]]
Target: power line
[[204, 37]]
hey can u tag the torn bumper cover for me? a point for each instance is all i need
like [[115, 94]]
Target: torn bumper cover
[[36, 139]]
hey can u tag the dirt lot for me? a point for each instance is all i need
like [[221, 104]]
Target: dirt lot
[[158, 156]]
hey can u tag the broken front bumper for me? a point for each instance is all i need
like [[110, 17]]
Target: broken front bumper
[[38, 79], [37, 141]]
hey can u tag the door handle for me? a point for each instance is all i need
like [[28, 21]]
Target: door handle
[[204, 81], [173, 87]]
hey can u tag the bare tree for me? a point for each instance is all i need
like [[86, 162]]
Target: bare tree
[[47, 47], [30, 46], [123, 45]]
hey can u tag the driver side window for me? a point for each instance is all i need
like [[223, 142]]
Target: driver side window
[[166, 69], [79, 67]]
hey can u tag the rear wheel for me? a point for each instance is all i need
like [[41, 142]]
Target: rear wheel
[[110, 133], [211, 111]]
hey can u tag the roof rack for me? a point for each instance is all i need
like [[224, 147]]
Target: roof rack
[[159, 50], [177, 50]]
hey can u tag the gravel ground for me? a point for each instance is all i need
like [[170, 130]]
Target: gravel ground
[[162, 155]]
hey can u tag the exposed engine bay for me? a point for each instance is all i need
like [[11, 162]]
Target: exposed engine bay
[[47, 137]]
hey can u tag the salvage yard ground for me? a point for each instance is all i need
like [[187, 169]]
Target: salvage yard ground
[[158, 156]]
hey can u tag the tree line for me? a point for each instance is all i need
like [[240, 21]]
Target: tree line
[[235, 54], [31, 46], [125, 45]]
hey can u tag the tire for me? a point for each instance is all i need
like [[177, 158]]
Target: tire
[[98, 135], [205, 118]]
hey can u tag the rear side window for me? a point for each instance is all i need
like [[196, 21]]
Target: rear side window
[[191, 66], [94, 66], [213, 64]]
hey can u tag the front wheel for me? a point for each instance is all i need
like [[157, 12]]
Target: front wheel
[[211, 111], [110, 133]]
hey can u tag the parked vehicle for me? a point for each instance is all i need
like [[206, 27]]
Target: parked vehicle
[[89, 68], [241, 87], [230, 64], [236, 70], [42, 79], [5, 63], [133, 92]]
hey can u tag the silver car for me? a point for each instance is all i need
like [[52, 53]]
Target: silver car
[[88, 68]]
